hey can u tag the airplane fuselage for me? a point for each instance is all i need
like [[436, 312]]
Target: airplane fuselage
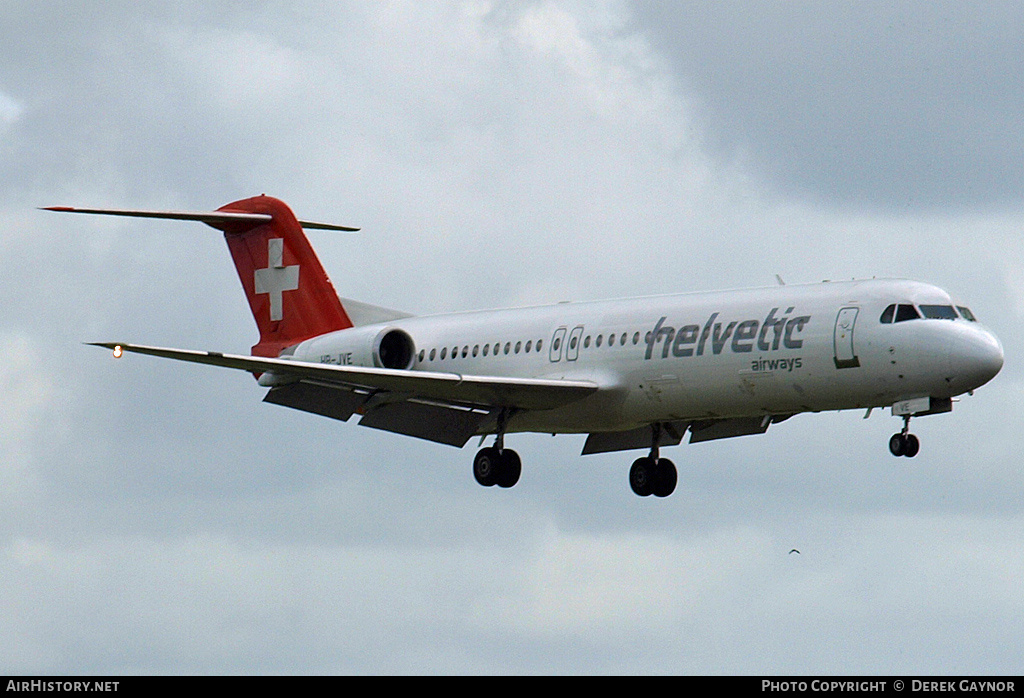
[[760, 352]]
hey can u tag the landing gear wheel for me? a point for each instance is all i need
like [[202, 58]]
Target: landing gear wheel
[[642, 476], [897, 445], [911, 446], [487, 466], [665, 477], [510, 468], [494, 467], [904, 445], [649, 476]]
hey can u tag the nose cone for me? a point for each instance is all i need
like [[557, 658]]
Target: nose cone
[[979, 357], [992, 361]]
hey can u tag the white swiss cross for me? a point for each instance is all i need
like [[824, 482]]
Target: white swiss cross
[[276, 278]]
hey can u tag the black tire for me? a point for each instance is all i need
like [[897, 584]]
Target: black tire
[[487, 466], [897, 445], [511, 467], [665, 478], [911, 446], [641, 476]]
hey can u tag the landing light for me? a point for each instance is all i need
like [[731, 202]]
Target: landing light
[[118, 352]]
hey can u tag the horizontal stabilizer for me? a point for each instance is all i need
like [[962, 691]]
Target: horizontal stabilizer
[[217, 219]]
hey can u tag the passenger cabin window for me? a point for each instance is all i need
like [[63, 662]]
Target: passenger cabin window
[[939, 312], [906, 312], [966, 313]]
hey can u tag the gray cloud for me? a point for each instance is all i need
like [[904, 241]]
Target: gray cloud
[[896, 105]]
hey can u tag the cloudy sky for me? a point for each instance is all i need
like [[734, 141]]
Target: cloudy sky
[[157, 518]]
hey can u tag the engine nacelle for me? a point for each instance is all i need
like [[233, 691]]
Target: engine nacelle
[[380, 347], [394, 348]]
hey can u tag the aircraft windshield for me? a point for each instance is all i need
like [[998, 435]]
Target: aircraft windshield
[[899, 313], [906, 312], [939, 312], [966, 313]]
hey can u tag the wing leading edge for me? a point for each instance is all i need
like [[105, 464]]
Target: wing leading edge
[[443, 407]]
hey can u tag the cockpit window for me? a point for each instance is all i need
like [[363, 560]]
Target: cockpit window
[[887, 314], [906, 312], [939, 312], [966, 313]]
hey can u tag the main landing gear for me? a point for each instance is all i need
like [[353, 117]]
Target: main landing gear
[[653, 474], [904, 443], [502, 467], [497, 465]]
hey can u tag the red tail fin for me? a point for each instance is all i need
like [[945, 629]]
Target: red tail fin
[[288, 290]]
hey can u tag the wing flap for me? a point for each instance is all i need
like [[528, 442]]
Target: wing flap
[[334, 401], [712, 429], [608, 441], [446, 424], [442, 423]]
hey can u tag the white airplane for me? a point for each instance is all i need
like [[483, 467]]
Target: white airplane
[[632, 374]]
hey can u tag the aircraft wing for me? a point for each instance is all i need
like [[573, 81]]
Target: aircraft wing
[[444, 407]]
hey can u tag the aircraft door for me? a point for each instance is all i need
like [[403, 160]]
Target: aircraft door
[[557, 340], [842, 338], [572, 351]]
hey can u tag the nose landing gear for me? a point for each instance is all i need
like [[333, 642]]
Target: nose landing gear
[[904, 443]]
